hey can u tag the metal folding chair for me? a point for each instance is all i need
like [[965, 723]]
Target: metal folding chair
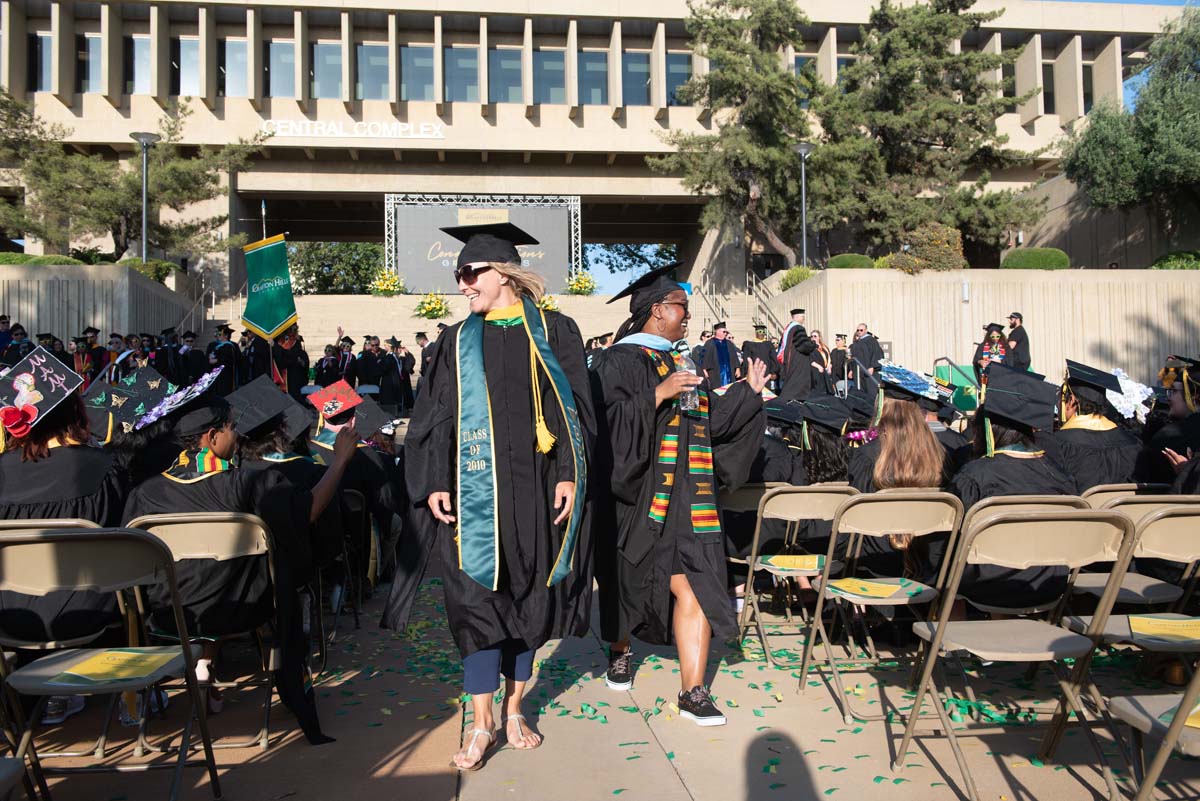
[[36, 562], [1019, 540], [358, 532], [1101, 494]]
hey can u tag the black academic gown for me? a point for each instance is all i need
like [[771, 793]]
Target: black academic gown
[[328, 371], [72, 482], [1098, 457], [292, 363], [227, 356], [1011, 475], [776, 461], [195, 364], [648, 552], [258, 358], [796, 374], [823, 380], [395, 387], [711, 363], [523, 607], [762, 350], [16, 351]]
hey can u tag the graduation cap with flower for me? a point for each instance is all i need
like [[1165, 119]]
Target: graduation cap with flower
[[179, 399], [31, 390]]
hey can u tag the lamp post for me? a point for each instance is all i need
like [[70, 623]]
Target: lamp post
[[804, 150], [145, 139]]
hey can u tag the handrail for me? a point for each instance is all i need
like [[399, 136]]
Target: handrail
[[754, 284], [187, 321], [955, 369]]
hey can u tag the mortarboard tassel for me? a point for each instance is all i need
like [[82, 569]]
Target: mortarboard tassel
[[804, 435], [988, 437]]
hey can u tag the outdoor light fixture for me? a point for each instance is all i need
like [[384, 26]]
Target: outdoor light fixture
[[804, 150], [145, 139]]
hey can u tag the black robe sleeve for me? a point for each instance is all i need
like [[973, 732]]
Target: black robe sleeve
[[738, 425], [430, 440]]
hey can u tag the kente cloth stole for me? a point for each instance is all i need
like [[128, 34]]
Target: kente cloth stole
[[192, 466], [478, 531], [700, 481]]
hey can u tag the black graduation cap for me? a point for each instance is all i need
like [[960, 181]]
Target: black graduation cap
[[420, 334], [1019, 397], [146, 336], [90, 331], [1090, 383], [489, 242], [257, 403], [719, 326], [32, 389], [827, 411], [188, 335], [789, 413], [180, 398], [863, 407], [649, 288], [369, 417], [224, 329], [393, 341], [794, 312], [43, 337], [120, 405], [201, 415], [296, 419], [79, 340], [166, 332], [348, 341]]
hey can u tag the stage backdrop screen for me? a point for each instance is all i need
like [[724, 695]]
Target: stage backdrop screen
[[426, 257]]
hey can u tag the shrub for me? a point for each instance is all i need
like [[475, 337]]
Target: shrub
[[850, 261], [1178, 260], [432, 306], [581, 282], [1036, 259], [50, 260], [938, 247], [93, 256], [794, 276], [15, 258], [905, 262], [883, 262], [155, 269]]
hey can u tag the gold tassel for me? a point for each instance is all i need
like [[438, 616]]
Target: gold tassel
[[545, 440]]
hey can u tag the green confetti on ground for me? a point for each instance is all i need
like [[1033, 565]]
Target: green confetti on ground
[[639, 742], [900, 781], [775, 786], [879, 779], [670, 755], [831, 791], [618, 791]]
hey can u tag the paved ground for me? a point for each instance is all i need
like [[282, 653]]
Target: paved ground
[[392, 704]]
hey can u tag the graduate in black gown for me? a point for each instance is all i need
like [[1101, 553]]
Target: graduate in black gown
[[671, 452], [496, 451], [291, 362], [328, 370], [223, 353], [1013, 406], [722, 361], [1090, 445], [795, 359], [395, 382], [761, 348], [235, 595], [193, 361]]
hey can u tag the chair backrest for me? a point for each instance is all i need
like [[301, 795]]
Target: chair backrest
[[355, 501], [1138, 507], [1170, 533], [1099, 495], [1022, 503], [917, 512], [745, 498], [37, 561], [1071, 538], [208, 535], [793, 504], [47, 523]]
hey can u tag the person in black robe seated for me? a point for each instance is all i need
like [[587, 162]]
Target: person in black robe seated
[[328, 370], [1091, 446], [673, 446], [235, 595], [495, 451], [795, 359], [49, 471], [1013, 406], [1174, 425]]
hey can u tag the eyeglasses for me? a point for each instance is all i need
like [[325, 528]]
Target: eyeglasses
[[675, 303], [468, 274]]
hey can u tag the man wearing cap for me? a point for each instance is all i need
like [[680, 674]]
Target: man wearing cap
[[722, 360], [165, 358], [291, 362], [762, 349], [258, 357], [1093, 448], [794, 357], [192, 361], [1018, 343], [223, 353], [395, 380], [428, 350]]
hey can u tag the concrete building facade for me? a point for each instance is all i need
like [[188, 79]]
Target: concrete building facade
[[508, 97]]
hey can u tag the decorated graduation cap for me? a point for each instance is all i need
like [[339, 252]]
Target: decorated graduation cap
[[335, 399], [120, 405], [900, 383], [1087, 383], [179, 399], [489, 242], [1017, 399], [1180, 369], [650, 288], [369, 417], [31, 390]]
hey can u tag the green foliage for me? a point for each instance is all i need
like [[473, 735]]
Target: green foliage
[[581, 282], [334, 268], [1178, 260], [15, 258], [938, 247], [905, 262], [619, 257], [851, 261], [747, 171], [1036, 259], [883, 262], [795, 275], [432, 306], [1123, 158], [154, 269], [51, 259], [93, 256]]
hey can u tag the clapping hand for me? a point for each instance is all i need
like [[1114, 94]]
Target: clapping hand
[[756, 377]]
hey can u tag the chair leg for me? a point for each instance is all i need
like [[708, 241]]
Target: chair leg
[[1071, 702], [810, 639], [948, 727], [200, 706]]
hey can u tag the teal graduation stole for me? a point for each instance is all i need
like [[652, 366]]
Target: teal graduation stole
[[478, 531]]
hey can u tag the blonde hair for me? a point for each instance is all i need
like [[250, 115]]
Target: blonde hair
[[909, 456], [523, 282]]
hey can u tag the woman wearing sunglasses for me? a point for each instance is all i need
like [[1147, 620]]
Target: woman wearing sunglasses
[[496, 451]]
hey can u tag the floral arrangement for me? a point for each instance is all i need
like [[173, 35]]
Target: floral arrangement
[[547, 303], [387, 284], [433, 306], [581, 282]]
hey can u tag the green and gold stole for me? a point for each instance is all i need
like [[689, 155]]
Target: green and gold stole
[[701, 483], [478, 530]]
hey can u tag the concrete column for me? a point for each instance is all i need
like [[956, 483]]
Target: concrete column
[[393, 40], [572, 66], [13, 46], [207, 27], [1106, 73], [111, 52], [527, 67], [994, 46], [787, 56], [160, 53], [62, 37], [349, 57], [439, 65], [255, 57], [615, 91], [658, 71], [483, 65], [700, 67], [1068, 80], [1029, 76], [827, 57], [303, 56]]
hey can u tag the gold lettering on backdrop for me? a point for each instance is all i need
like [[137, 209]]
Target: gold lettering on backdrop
[[482, 216], [437, 252]]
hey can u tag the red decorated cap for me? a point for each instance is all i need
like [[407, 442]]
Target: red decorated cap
[[335, 399]]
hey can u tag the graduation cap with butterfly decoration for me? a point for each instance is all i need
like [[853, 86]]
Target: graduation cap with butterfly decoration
[[118, 407], [179, 399]]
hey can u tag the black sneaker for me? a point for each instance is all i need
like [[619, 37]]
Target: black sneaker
[[619, 675], [697, 705]]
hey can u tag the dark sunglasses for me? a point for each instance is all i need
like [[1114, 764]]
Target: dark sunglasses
[[468, 274]]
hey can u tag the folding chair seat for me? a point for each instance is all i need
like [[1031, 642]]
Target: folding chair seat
[[1163, 718], [880, 514], [1099, 495], [1017, 540]]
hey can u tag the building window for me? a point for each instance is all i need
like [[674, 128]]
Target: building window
[[462, 75], [1088, 94], [232, 68], [372, 63], [281, 69], [1048, 106], [842, 63], [679, 72], [41, 62], [87, 71], [325, 70], [805, 65], [504, 75], [185, 67], [416, 73], [593, 78], [635, 78], [549, 76], [137, 65]]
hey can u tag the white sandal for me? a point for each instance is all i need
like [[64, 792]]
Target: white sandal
[[473, 734], [521, 728]]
